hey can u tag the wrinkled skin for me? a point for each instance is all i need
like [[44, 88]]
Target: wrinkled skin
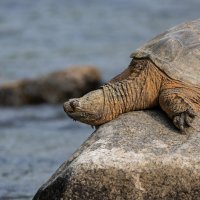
[[141, 86]]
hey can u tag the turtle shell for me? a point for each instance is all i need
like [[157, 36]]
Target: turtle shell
[[176, 52]]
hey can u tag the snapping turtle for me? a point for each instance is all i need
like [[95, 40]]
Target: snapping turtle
[[165, 72]]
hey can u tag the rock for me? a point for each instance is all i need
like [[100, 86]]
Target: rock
[[138, 156], [55, 87]]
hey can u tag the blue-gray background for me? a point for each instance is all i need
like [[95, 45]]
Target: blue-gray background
[[40, 36]]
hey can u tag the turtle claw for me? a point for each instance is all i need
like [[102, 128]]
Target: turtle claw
[[184, 120]]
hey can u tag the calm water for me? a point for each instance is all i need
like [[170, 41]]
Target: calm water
[[37, 37]]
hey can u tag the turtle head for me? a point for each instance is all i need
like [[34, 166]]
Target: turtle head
[[87, 109]]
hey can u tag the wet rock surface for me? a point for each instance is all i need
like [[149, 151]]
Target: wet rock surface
[[55, 87], [139, 155]]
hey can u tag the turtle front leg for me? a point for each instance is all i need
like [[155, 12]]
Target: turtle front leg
[[177, 104]]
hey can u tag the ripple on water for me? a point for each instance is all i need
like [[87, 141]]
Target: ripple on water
[[37, 141]]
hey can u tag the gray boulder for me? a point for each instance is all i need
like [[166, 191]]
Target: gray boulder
[[56, 87], [138, 156]]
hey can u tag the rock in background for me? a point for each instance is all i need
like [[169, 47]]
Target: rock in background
[[55, 87], [138, 156]]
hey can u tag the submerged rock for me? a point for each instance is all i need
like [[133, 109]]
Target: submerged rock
[[55, 87], [138, 156]]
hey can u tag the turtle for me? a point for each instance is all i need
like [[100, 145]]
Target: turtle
[[164, 72]]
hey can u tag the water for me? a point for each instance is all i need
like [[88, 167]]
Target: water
[[37, 37]]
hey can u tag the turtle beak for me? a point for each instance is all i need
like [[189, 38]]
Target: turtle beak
[[71, 105]]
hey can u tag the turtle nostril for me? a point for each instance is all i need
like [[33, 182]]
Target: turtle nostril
[[72, 104]]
